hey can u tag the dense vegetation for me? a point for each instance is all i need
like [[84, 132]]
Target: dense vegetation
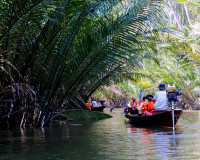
[[176, 60], [54, 55]]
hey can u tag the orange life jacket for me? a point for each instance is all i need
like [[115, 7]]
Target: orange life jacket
[[134, 104], [150, 106], [144, 107], [88, 105]]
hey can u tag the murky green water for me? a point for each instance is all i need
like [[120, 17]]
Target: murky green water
[[110, 139]]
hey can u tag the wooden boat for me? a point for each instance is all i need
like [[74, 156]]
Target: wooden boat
[[159, 118], [100, 108]]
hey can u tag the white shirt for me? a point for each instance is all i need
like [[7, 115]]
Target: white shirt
[[161, 100], [94, 104]]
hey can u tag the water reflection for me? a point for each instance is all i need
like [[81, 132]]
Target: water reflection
[[159, 143], [109, 139], [132, 129]]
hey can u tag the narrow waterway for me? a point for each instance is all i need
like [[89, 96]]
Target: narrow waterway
[[110, 139]]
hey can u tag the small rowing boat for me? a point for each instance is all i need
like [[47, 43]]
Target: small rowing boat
[[100, 108], [159, 118]]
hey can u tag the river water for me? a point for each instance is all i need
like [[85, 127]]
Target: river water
[[111, 139]]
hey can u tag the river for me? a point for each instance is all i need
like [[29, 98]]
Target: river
[[111, 139]]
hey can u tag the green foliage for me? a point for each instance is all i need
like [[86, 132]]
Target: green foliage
[[175, 60], [68, 49]]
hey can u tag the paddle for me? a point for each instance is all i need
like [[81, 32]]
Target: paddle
[[173, 115]]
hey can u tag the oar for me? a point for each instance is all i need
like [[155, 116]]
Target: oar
[[173, 115]]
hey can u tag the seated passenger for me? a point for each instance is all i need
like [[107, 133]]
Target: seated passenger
[[102, 101], [94, 103], [143, 106], [161, 98], [150, 104], [88, 105], [132, 106]]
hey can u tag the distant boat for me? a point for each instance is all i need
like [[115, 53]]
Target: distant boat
[[159, 118], [100, 108]]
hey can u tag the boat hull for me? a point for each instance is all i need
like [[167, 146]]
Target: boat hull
[[159, 118], [100, 109]]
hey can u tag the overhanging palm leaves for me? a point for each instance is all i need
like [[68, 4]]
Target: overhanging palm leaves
[[70, 48], [177, 60]]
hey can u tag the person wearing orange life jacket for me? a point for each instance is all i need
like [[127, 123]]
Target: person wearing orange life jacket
[[88, 105], [150, 103], [133, 106], [133, 103], [143, 106]]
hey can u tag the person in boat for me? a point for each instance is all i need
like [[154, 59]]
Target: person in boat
[[102, 101], [133, 102], [150, 103], [94, 103], [88, 105], [133, 106], [161, 98], [144, 107]]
